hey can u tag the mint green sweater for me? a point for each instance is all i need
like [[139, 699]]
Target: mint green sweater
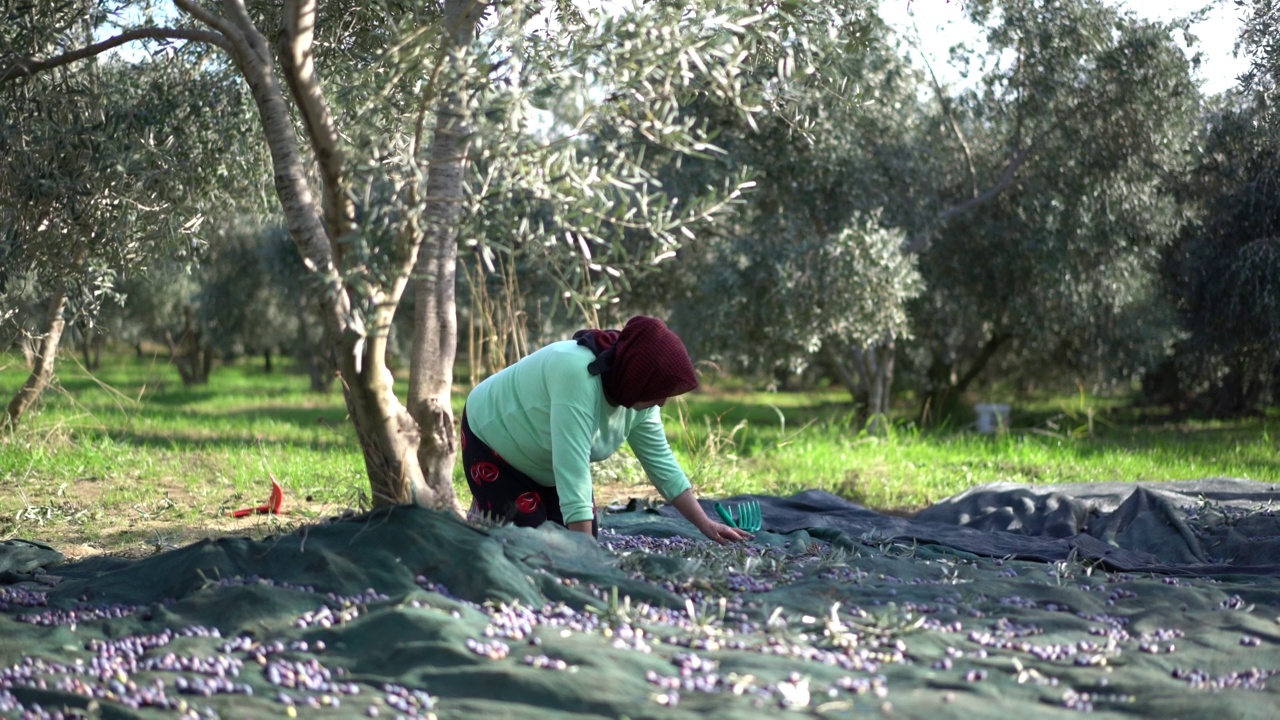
[[549, 419]]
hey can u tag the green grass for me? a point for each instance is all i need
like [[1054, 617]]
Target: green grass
[[128, 458], [128, 455], [908, 468]]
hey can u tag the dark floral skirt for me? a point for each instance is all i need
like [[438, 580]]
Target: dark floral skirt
[[503, 493]]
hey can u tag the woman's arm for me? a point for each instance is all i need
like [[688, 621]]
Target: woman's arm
[[649, 442], [688, 506]]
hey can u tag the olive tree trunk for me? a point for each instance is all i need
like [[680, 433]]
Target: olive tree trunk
[[947, 384], [389, 435], [356, 326], [869, 380], [876, 363], [435, 342], [190, 353], [43, 361]]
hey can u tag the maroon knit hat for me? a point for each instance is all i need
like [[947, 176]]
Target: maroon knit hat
[[644, 362]]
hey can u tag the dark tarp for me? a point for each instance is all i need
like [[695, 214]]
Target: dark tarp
[[1144, 600], [1196, 528]]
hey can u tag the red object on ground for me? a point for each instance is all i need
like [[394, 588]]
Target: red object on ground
[[273, 504]]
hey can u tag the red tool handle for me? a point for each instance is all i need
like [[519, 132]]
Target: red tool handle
[[273, 504]]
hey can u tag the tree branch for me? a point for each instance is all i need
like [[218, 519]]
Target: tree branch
[[237, 42], [980, 363], [945, 103], [920, 242], [460, 23], [199, 12], [1006, 179], [239, 16], [297, 37], [24, 67], [836, 362]]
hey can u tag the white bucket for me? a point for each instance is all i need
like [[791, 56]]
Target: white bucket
[[992, 417]]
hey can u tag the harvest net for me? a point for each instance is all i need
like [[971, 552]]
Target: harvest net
[[1153, 600]]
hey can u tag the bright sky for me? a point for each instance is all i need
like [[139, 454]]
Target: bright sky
[[942, 24]]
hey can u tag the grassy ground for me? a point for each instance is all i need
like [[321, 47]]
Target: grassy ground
[[127, 460]]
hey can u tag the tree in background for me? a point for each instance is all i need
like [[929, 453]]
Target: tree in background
[[1027, 212], [148, 304], [390, 125], [809, 268], [1224, 272], [1053, 187], [254, 297], [90, 187]]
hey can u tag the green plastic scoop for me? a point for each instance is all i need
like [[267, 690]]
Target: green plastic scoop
[[748, 519]]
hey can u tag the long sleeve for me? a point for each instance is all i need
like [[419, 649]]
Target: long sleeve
[[648, 439]]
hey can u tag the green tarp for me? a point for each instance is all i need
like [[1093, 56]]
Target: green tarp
[[972, 609]]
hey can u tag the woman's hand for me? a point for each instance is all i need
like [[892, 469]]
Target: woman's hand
[[688, 506], [724, 534]]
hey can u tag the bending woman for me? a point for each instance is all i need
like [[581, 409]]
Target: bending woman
[[531, 431]]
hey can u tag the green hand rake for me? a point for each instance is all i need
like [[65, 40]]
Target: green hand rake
[[748, 519]]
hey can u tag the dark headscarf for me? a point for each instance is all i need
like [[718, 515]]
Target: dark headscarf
[[645, 361]]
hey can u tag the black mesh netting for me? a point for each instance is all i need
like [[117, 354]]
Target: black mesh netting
[[1152, 600]]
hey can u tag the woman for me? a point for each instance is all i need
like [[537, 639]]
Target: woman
[[531, 431]]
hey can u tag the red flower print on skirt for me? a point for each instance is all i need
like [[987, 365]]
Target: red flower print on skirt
[[484, 472], [528, 502]]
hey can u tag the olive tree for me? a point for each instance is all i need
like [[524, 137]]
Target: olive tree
[[809, 269], [251, 295], [391, 125], [90, 187], [1223, 273], [1054, 194], [1028, 210]]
